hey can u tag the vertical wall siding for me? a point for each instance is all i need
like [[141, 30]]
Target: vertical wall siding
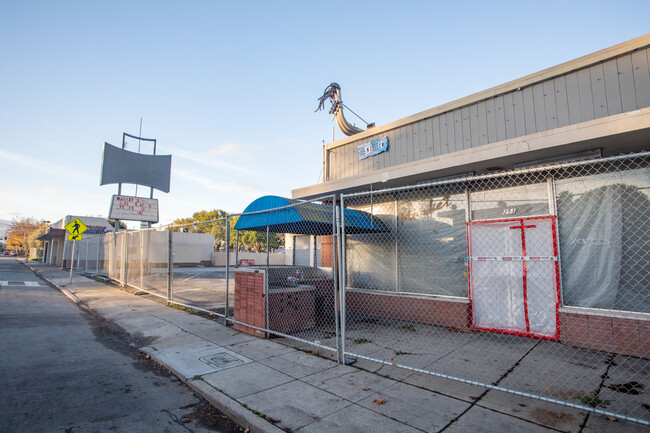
[[604, 89]]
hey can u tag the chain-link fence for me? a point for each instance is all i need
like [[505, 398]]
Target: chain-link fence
[[533, 281]]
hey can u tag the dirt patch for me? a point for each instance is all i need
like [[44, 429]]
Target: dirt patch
[[207, 416], [553, 419]]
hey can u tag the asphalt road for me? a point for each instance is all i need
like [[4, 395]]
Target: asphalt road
[[64, 369]]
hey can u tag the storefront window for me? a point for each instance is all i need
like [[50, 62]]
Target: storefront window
[[511, 202], [604, 231], [423, 254]]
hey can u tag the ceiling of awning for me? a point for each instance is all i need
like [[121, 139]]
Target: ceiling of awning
[[284, 215]]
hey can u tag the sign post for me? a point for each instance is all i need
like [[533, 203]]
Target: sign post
[[75, 229]]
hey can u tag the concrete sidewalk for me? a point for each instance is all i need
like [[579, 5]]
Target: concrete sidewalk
[[271, 387]]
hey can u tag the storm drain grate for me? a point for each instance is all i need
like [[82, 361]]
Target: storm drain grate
[[223, 360]]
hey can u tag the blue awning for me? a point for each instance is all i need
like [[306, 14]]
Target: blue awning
[[284, 215]]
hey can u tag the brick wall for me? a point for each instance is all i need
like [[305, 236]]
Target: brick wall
[[431, 311], [625, 336], [250, 306], [291, 309], [609, 334], [327, 251]]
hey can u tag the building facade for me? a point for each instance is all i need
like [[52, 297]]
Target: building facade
[[521, 209]]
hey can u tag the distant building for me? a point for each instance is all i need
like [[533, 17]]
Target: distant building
[[57, 249]]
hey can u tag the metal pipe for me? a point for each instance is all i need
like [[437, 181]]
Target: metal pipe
[[266, 284], [87, 248], [396, 248], [97, 261], [343, 281], [237, 251], [125, 258], [170, 262], [336, 276], [225, 311], [142, 259], [72, 261]]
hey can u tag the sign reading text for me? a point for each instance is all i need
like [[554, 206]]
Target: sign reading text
[[134, 209], [373, 147]]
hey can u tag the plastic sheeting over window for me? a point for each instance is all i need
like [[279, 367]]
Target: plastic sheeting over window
[[604, 231], [424, 252]]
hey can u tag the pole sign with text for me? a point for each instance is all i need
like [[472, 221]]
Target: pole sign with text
[[134, 208]]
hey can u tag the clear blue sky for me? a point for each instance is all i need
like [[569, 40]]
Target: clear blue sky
[[229, 89]]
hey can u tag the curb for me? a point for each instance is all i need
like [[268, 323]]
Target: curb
[[229, 406], [233, 409]]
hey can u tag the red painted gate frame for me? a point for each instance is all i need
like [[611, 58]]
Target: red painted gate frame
[[522, 221]]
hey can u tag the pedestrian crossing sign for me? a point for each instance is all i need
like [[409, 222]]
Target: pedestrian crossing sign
[[75, 227], [74, 237]]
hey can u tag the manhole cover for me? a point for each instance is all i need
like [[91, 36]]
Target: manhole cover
[[223, 360]]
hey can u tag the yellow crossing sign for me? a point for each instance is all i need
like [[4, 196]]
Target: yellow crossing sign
[[75, 237], [76, 227]]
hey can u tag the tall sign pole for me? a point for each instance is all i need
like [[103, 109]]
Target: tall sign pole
[[75, 229]]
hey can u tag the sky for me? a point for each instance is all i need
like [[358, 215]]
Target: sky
[[229, 89]]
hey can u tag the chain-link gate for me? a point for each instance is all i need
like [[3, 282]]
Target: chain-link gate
[[534, 282]]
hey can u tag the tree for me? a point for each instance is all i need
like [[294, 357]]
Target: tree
[[24, 231], [214, 222], [122, 224]]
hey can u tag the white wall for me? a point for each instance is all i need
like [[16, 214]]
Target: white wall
[[275, 259]]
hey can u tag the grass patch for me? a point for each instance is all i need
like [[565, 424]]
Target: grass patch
[[178, 307], [197, 377], [256, 412], [362, 340], [592, 400]]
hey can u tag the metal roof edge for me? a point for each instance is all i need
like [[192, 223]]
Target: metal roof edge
[[526, 81]]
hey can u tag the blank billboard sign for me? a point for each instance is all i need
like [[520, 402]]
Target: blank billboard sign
[[123, 166]]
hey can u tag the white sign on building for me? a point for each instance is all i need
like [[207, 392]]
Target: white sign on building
[[134, 208]]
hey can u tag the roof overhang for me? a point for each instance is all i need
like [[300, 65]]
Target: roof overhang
[[52, 233], [613, 135]]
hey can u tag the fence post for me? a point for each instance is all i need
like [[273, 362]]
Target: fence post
[[266, 285], [396, 248], [125, 258], [87, 248], [335, 275], [72, 261], [170, 263], [342, 273], [237, 250], [225, 311], [142, 259], [97, 262]]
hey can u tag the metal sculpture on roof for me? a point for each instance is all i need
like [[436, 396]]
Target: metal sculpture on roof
[[333, 93]]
